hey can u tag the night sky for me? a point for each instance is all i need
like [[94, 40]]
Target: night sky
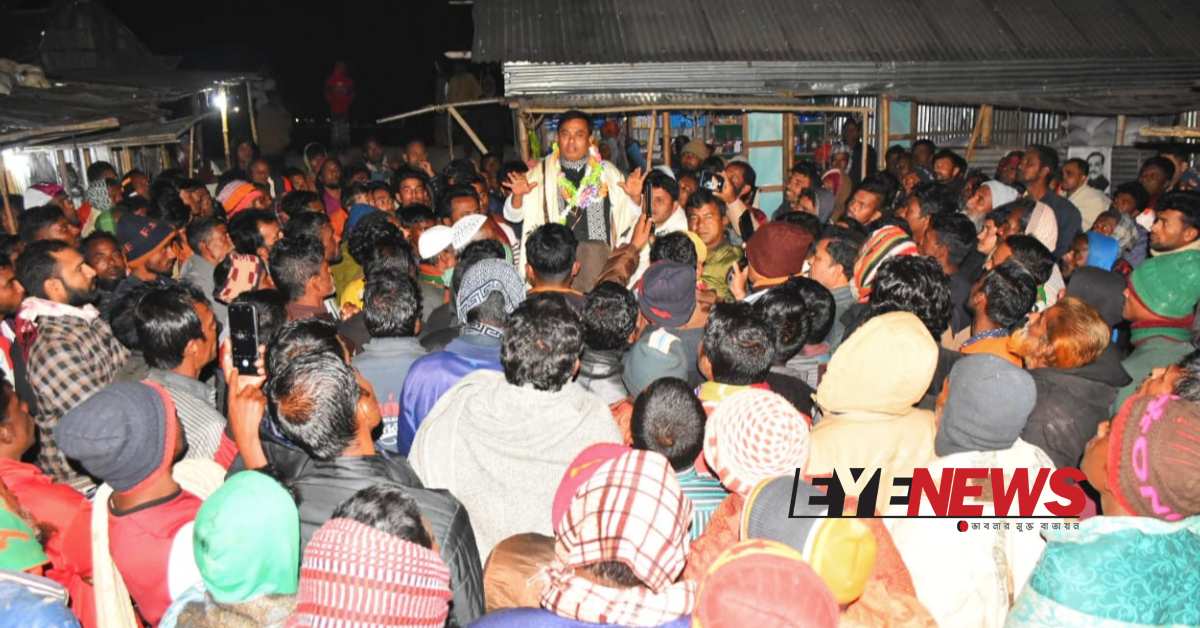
[[391, 46]]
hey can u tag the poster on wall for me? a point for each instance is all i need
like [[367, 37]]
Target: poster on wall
[[1099, 160]]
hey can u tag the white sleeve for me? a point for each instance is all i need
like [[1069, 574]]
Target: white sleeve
[[182, 573], [513, 214]]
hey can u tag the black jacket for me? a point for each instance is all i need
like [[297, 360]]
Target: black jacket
[[1070, 404], [321, 486]]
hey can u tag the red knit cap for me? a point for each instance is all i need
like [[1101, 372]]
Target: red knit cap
[[1154, 457], [354, 575], [763, 583], [778, 249]]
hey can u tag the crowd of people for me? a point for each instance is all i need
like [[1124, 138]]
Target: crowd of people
[[559, 394]]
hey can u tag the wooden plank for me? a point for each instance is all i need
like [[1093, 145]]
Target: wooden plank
[[443, 107], [250, 110], [1120, 136], [468, 130], [79, 127], [666, 138], [10, 219]]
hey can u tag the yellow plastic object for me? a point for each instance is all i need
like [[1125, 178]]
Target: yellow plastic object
[[842, 552]]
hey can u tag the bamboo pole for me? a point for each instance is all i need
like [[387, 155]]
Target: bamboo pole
[[225, 129], [885, 130], [191, 155], [10, 219], [442, 107], [523, 133], [650, 141], [1170, 131], [1120, 137], [862, 138], [985, 137], [975, 133], [666, 138], [468, 130], [250, 110]]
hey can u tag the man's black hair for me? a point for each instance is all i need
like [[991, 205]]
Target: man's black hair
[[314, 395], [609, 317], [550, 250], [1186, 203], [805, 221], [946, 153], [926, 142], [388, 509], [1048, 158], [1160, 162], [271, 308], [914, 284], [1136, 190], [97, 170], [96, 236], [808, 169], [307, 224], [843, 247], [243, 230], [739, 344], [455, 191], [1011, 292], [309, 335], [199, 231], [668, 419], [542, 343], [1032, 255], [413, 214], [510, 167], [748, 173], [295, 261], [1188, 386], [351, 190], [166, 320], [187, 185], [371, 235], [662, 181], [574, 114], [934, 198], [391, 305], [472, 254], [787, 313], [1082, 164], [34, 219], [297, 202], [879, 188], [411, 173], [820, 307], [676, 247], [702, 197], [956, 232], [376, 186], [121, 312], [36, 264], [350, 171]]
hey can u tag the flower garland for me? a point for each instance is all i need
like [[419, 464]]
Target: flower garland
[[589, 189]]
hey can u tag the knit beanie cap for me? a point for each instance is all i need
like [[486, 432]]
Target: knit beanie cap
[[356, 576], [696, 147], [763, 583], [139, 236], [1154, 457], [884, 244], [482, 279], [123, 434], [1168, 285], [988, 404], [654, 356], [778, 249], [667, 293], [754, 435], [238, 196], [240, 556]]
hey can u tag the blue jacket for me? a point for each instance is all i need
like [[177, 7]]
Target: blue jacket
[[542, 618], [434, 374]]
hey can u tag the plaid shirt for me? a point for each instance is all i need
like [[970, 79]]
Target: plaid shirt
[[71, 359]]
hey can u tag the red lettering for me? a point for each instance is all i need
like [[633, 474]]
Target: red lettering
[[961, 490], [1065, 484], [1026, 495], [922, 485]]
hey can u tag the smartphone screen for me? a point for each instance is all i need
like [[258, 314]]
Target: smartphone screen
[[243, 334]]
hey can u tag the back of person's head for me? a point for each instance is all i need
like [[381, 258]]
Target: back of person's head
[[1075, 334], [820, 307], [166, 321], [353, 193], [294, 261], [668, 419], [308, 224], [550, 250], [270, 307], [843, 246], [609, 317], [414, 215], [372, 233], [298, 202], [674, 247], [37, 263], [314, 394], [172, 210], [914, 284], [388, 509], [934, 198], [243, 230], [99, 169], [793, 316], [35, 219], [391, 305], [1135, 190], [1011, 292], [1032, 255], [956, 232], [199, 231], [1160, 162], [542, 343], [309, 335], [472, 253], [121, 312], [738, 345], [1186, 203], [1047, 156]]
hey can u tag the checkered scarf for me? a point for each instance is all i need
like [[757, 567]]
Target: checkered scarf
[[631, 511], [752, 436], [354, 575]]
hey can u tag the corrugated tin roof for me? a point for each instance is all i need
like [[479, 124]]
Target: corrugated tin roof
[[626, 31]]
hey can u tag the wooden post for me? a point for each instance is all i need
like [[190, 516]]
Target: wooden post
[[914, 119], [976, 132], [650, 140], [191, 155], [885, 130], [10, 219], [1120, 136], [789, 142], [866, 124], [250, 110], [523, 133], [225, 129], [666, 143], [985, 136], [62, 167], [163, 158], [468, 130]]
